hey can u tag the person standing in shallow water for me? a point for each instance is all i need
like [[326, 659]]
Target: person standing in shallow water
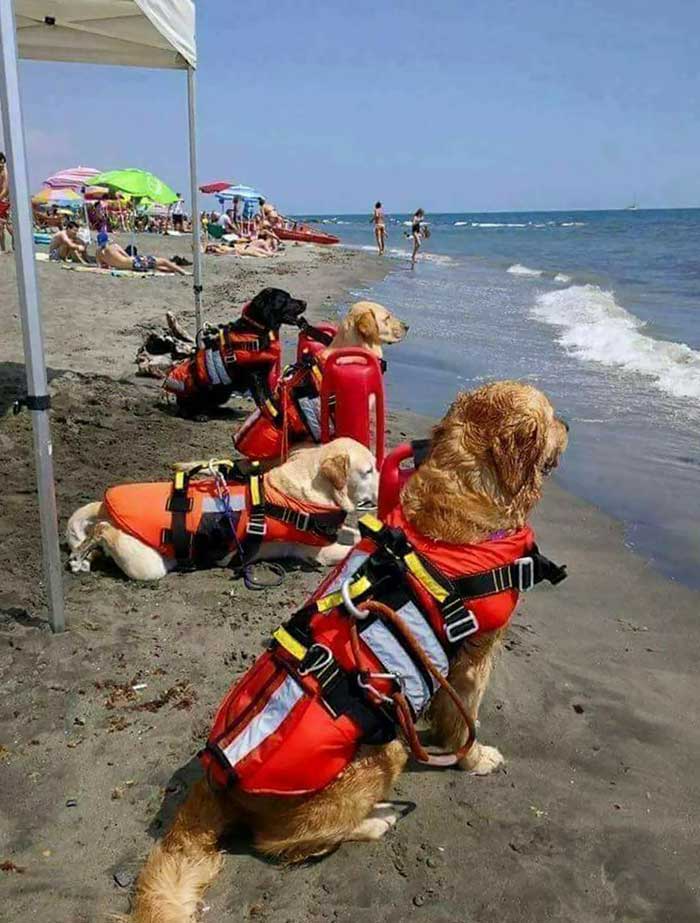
[[379, 227], [416, 234]]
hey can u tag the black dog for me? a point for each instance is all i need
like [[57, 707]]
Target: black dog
[[241, 356]]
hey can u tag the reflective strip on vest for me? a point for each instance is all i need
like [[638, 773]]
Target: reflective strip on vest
[[352, 563], [216, 504], [311, 409], [220, 367], [266, 722], [424, 634], [174, 384], [394, 659], [212, 374]]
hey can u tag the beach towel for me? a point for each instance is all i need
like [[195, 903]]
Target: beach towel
[[76, 267]]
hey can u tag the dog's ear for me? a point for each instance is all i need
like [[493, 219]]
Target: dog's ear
[[267, 306], [336, 469], [518, 451], [366, 325]]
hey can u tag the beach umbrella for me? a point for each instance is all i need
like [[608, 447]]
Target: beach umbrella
[[137, 183], [147, 33], [62, 197], [215, 187], [71, 178], [240, 192]]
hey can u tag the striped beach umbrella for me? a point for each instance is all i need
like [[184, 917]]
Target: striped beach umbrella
[[72, 178], [58, 197]]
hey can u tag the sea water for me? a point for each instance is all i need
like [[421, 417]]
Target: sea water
[[599, 309]]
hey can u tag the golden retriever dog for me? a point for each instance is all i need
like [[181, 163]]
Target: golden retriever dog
[[338, 476], [483, 475], [367, 325], [370, 326]]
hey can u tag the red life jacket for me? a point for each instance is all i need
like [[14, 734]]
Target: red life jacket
[[226, 359], [291, 414], [294, 721], [195, 523], [298, 411]]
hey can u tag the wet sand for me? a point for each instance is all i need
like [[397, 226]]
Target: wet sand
[[592, 703]]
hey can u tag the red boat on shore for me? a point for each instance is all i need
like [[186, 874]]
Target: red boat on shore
[[305, 234]]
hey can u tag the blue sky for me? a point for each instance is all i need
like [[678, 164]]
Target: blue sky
[[481, 105]]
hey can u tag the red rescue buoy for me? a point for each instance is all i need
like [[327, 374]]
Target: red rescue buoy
[[396, 470], [306, 342], [352, 399]]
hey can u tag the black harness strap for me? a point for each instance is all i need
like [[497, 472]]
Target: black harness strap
[[320, 336], [523, 575], [325, 525], [420, 447], [179, 504]]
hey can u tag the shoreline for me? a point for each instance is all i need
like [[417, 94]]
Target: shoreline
[[589, 819]]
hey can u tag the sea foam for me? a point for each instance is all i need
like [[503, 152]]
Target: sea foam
[[517, 269], [595, 327]]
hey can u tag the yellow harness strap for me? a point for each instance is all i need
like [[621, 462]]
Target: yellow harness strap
[[290, 644], [336, 599], [436, 590]]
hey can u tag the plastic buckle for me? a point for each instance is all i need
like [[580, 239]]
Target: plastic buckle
[[302, 521], [526, 574], [257, 526], [454, 630]]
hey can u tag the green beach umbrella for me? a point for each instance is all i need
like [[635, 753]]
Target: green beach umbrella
[[137, 183]]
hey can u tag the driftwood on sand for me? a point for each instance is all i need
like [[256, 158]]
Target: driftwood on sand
[[164, 347]]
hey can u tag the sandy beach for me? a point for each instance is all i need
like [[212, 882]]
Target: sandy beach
[[593, 701]]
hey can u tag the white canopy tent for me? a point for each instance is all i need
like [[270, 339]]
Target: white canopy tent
[[137, 33]]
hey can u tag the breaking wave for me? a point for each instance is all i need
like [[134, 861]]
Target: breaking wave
[[517, 269], [562, 277], [595, 327]]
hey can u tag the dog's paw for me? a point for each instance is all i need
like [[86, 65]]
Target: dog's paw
[[376, 826], [481, 760], [75, 565]]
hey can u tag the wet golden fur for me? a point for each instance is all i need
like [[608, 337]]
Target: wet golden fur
[[484, 473]]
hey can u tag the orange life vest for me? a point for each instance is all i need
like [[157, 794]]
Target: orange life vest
[[226, 359], [294, 721], [199, 524], [291, 414]]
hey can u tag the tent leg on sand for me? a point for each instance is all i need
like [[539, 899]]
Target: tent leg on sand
[[164, 37]]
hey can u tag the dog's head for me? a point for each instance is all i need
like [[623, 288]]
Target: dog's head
[[487, 461], [273, 307], [350, 469], [370, 325]]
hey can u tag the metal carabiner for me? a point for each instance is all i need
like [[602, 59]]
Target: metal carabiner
[[370, 688], [348, 603]]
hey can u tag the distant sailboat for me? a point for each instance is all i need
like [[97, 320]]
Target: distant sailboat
[[633, 207]]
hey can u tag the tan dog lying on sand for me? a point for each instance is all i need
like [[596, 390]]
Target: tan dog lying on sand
[[326, 481], [480, 481]]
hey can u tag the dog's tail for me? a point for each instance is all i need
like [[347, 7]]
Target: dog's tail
[[181, 867], [80, 522]]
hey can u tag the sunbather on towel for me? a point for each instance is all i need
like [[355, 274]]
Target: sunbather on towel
[[112, 256], [67, 245]]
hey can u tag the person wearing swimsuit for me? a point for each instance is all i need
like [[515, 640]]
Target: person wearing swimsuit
[[5, 219], [379, 227], [416, 234]]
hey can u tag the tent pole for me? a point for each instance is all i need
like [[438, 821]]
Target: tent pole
[[196, 224], [37, 387]]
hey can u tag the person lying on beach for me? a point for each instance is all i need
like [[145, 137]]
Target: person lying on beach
[[112, 256], [66, 244]]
